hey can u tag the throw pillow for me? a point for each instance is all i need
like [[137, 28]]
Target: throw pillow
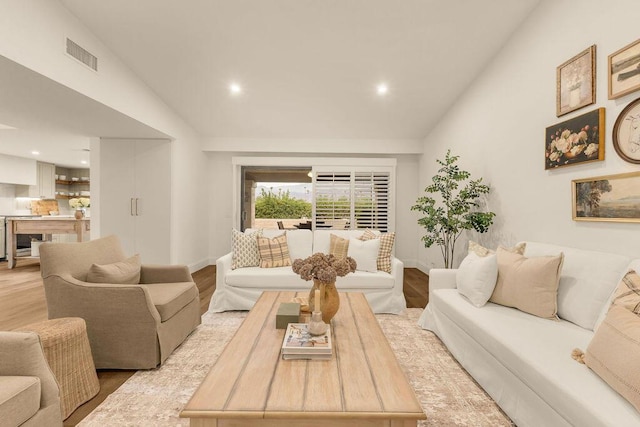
[[365, 253], [125, 272], [614, 352], [245, 249], [386, 247], [528, 284], [338, 246], [476, 277], [273, 252], [627, 293], [480, 250]]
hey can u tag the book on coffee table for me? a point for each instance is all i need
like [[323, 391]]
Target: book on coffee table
[[298, 341]]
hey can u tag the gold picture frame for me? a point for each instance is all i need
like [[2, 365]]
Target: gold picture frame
[[612, 198], [576, 82], [624, 70]]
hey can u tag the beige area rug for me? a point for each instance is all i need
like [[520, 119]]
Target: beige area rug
[[449, 396]]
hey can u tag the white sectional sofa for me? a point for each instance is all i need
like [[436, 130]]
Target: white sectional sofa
[[239, 289], [524, 362]]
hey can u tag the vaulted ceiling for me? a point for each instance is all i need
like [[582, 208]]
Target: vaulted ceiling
[[307, 68]]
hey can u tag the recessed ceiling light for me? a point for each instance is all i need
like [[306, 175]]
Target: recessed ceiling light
[[84, 162], [382, 89], [35, 153], [235, 89]]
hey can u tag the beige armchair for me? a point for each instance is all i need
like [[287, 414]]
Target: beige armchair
[[29, 393], [130, 326]]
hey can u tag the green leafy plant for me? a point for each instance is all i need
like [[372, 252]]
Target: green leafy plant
[[281, 205], [457, 211]]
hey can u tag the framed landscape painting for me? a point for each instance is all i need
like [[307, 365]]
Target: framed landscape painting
[[607, 198], [576, 82], [576, 140], [624, 70]]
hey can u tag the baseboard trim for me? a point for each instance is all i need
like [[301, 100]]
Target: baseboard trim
[[199, 265], [423, 267]]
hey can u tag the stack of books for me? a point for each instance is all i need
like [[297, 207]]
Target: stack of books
[[298, 343]]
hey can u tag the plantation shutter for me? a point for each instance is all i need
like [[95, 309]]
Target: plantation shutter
[[354, 198]]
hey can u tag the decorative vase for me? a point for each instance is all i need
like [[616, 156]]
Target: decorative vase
[[79, 214], [329, 299]]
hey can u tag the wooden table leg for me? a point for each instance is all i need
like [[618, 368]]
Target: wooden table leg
[[11, 249]]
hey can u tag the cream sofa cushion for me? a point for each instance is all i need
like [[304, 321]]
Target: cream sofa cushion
[[528, 284], [587, 280], [244, 247], [19, 399], [365, 253]]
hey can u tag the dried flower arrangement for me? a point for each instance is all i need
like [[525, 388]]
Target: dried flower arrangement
[[324, 268]]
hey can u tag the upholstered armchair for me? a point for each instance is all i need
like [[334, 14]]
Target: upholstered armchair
[[29, 393], [135, 323]]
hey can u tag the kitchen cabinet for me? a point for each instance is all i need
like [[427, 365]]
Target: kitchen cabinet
[[135, 196], [45, 187]]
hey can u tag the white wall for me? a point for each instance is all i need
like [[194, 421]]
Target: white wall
[[221, 201], [33, 34], [498, 128]]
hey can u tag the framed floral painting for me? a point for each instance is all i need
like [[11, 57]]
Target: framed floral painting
[[614, 198], [576, 140], [576, 82], [624, 70]]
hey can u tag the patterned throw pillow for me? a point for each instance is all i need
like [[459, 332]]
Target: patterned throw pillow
[[245, 249], [480, 250], [338, 246], [274, 252], [614, 350], [386, 247]]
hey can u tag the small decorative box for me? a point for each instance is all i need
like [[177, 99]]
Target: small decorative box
[[288, 312]]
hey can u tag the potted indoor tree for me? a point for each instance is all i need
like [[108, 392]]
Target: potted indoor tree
[[457, 210]]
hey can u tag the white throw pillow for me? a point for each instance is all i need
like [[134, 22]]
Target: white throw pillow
[[365, 253], [476, 278]]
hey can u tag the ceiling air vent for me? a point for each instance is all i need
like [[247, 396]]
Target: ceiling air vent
[[82, 55]]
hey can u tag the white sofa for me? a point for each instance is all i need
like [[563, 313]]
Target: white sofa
[[239, 289], [524, 362]]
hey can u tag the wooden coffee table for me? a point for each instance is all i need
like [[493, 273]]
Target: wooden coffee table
[[250, 385]]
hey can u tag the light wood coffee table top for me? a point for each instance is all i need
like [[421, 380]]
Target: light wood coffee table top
[[251, 385]]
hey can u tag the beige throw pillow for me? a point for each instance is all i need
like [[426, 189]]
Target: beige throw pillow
[[245, 249], [480, 250], [614, 353], [386, 247], [627, 293], [125, 272], [528, 284], [274, 252], [338, 246]]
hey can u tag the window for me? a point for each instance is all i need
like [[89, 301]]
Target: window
[[353, 198]]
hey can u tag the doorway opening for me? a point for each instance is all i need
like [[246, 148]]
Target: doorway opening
[[276, 197]]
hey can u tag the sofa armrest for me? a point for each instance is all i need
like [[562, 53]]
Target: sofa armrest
[[397, 271], [223, 266], [21, 354], [164, 274]]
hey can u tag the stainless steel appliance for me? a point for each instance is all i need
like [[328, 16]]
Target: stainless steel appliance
[[23, 246]]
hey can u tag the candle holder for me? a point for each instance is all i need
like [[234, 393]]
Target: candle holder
[[316, 325]]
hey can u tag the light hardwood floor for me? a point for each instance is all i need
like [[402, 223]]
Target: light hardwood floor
[[22, 302]]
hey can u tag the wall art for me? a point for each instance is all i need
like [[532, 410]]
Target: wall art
[[624, 70], [613, 198], [576, 140], [626, 133], [576, 82]]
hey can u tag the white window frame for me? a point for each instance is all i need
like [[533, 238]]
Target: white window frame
[[362, 164]]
